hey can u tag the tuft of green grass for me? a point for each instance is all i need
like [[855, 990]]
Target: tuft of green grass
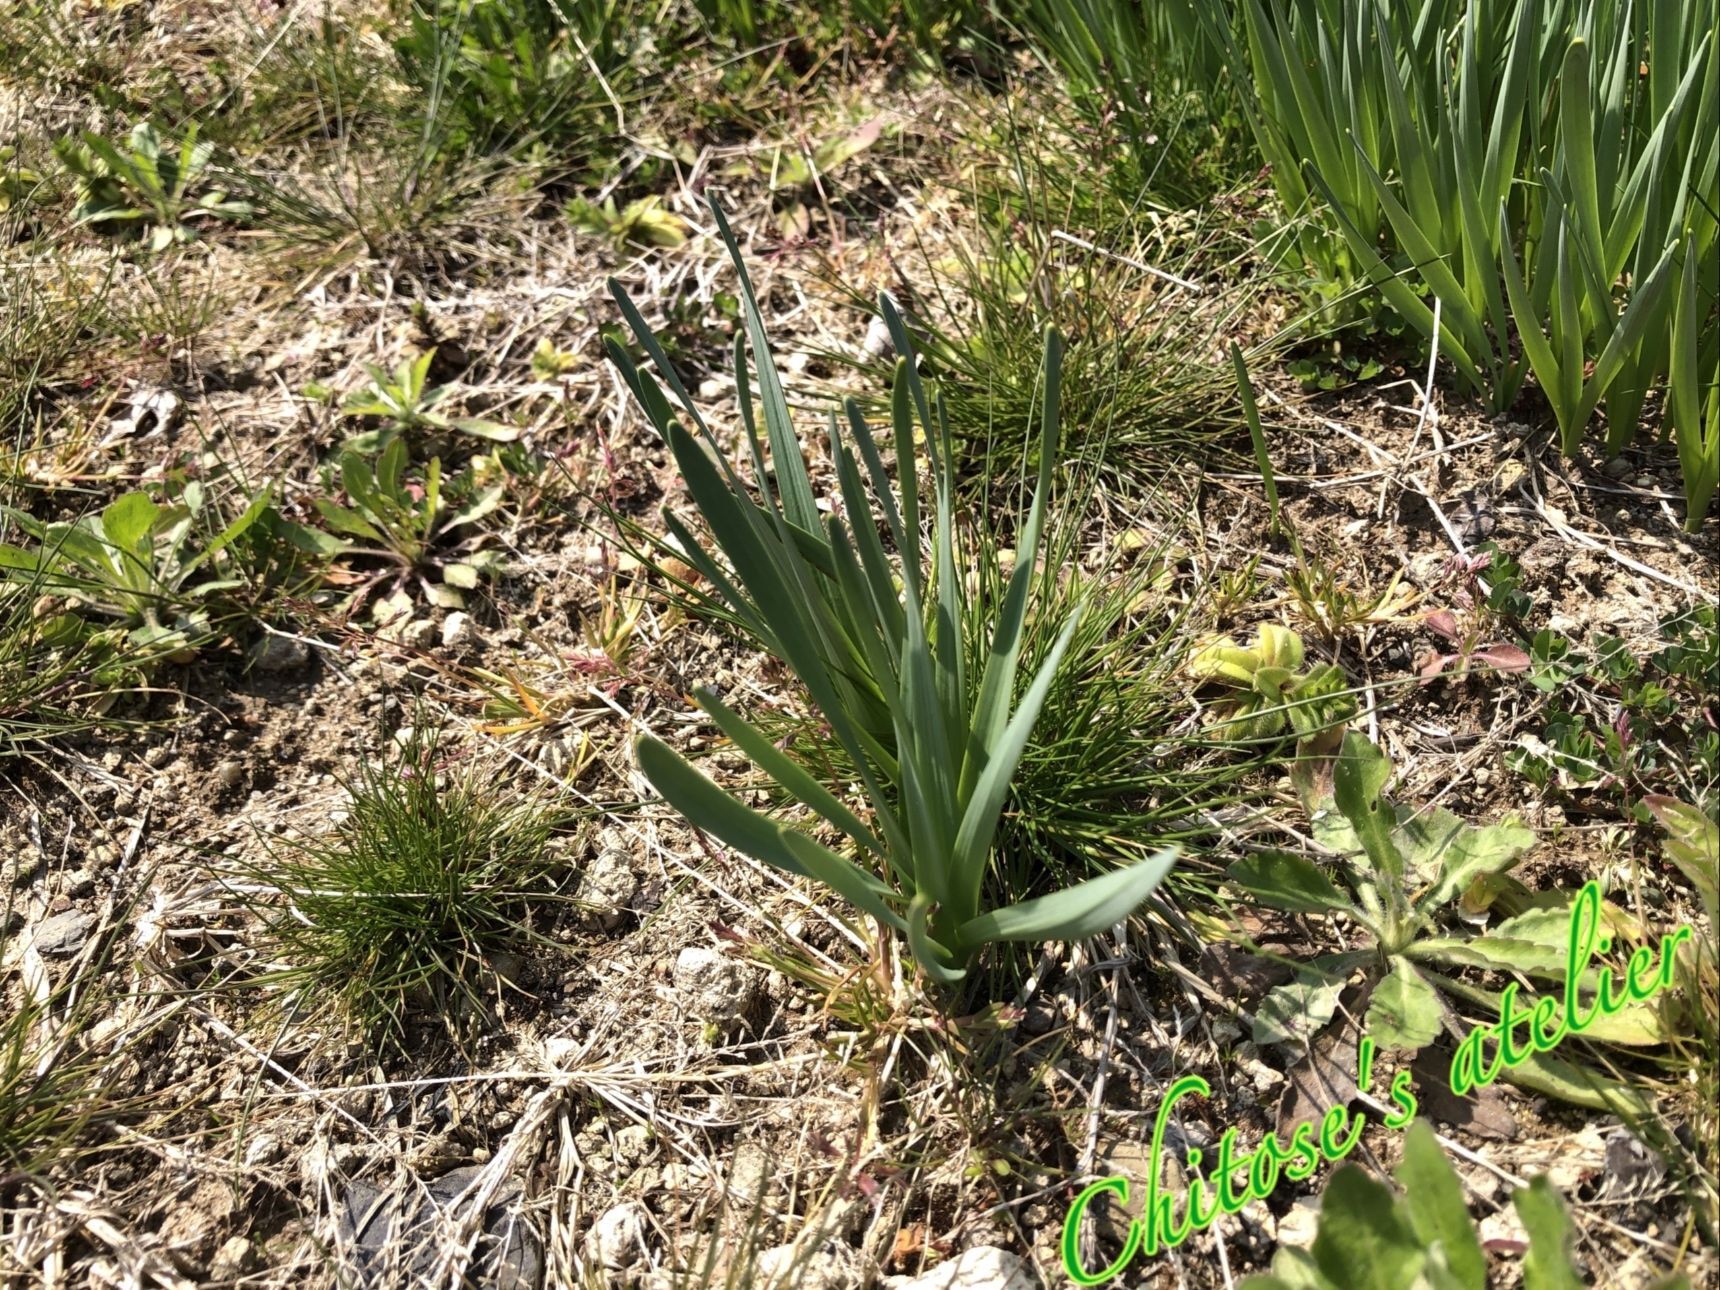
[[403, 908], [1130, 284], [54, 1089], [56, 677], [48, 309], [1117, 769]]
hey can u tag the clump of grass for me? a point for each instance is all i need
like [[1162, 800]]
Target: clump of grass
[[45, 1102], [403, 907], [1130, 285], [48, 309], [57, 677], [55, 1090], [1120, 767]]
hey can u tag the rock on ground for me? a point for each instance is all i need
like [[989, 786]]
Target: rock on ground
[[617, 1239], [392, 1236], [984, 1267], [714, 987], [63, 934], [785, 1268], [609, 885]]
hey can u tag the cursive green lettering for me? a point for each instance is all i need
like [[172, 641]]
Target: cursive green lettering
[[1072, 1234]]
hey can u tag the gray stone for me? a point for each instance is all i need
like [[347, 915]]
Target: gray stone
[[714, 987], [984, 1267], [392, 1236], [458, 631], [276, 654], [609, 885], [616, 1240], [232, 1260], [63, 934], [830, 1267]]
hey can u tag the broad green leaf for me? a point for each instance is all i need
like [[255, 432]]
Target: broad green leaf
[[1548, 926], [1293, 1013], [1405, 1012], [1547, 1264], [481, 505], [1453, 853], [494, 431], [1501, 953], [444, 595], [1693, 844], [1433, 1200], [345, 520], [1293, 1268], [1082, 910], [1365, 1239], [1634, 1025], [1357, 781], [129, 524], [1286, 881]]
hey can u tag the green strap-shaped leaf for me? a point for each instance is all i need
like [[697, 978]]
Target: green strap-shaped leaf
[[1542, 360], [798, 504], [844, 877], [979, 821], [1501, 953], [1577, 144], [997, 685], [710, 809], [1082, 910], [713, 811], [785, 770], [1397, 292], [1647, 309], [345, 520], [933, 956]]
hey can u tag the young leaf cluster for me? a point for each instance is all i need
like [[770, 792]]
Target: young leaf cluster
[[403, 521], [1374, 1238], [1271, 694], [1615, 721], [139, 563], [1399, 876], [875, 636], [140, 185], [406, 405]]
